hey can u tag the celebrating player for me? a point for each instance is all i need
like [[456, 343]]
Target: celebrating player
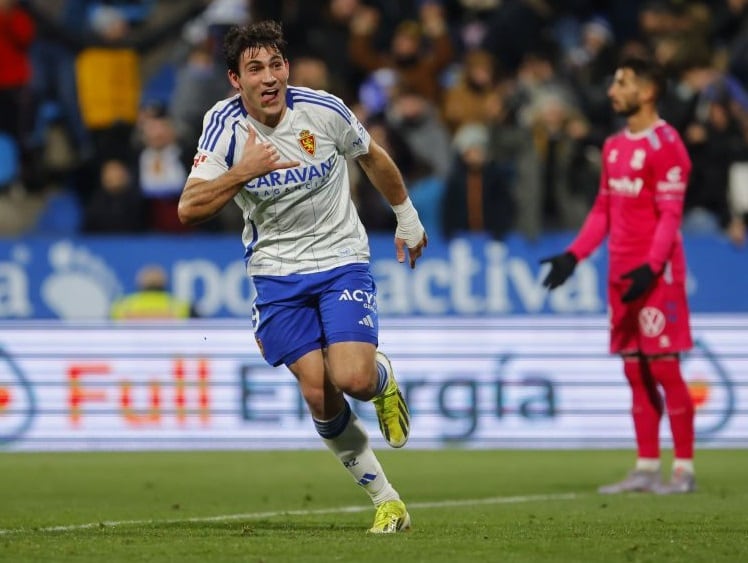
[[280, 153], [639, 206]]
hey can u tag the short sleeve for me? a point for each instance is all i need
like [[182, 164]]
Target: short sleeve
[[216, 142], [351, 137]]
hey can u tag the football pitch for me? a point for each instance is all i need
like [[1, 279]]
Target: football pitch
[[278, 506]]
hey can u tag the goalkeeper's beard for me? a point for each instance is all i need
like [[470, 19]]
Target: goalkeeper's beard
[[628, 110]]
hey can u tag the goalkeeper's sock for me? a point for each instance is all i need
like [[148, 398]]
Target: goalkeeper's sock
[[646, 408], [645, 464], [685, 465], [680, 408], [347, 439]]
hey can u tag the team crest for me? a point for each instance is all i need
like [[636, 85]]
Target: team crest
[[308, 142]]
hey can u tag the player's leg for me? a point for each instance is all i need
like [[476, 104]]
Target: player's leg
[[664, 333], [366, 374], [680, 410], [646, 412], [346, 437], [646, 404], [348, 309], [288, 331]]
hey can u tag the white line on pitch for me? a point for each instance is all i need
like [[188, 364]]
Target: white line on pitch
[[261, 515]]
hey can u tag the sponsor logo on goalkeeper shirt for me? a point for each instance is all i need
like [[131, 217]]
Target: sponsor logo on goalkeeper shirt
[[626, 185]]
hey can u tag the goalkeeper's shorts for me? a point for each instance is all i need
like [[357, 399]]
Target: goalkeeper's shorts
[[658, 323], [293, 315]]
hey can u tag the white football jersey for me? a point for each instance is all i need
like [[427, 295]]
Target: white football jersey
[[302, 219]]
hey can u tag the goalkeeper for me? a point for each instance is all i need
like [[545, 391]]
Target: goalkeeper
[[280, 153], [639, 207]]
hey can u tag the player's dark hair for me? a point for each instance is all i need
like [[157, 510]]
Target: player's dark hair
[[648, 70], [253, 36]]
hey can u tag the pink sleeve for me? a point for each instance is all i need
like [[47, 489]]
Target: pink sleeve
[[595, 226], [670, 176]]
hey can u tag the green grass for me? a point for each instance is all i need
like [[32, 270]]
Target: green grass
[[540, 506]]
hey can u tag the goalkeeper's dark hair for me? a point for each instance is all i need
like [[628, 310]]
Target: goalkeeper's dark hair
[[253, 36], [649, 70]]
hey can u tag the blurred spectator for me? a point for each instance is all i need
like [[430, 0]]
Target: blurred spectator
[[311, 72], [589, 67], [417, 120], [738, 202], [516, 28], [468, 21], [557, 174], [468, 100], [212, 21], [538, 76], [477, 197], [200, 81], [162, 171], [418, 53], [109, 75], [325, 35], [152, 299], [16, 35], [715, 140], [54, 85], [115, 206]]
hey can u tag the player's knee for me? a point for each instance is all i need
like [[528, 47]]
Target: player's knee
[[359, 383]]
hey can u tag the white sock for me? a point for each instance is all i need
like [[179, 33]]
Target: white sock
[[647, 464], [683, 465], [351, 447]]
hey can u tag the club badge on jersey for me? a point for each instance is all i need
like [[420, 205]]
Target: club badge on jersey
[[307, 142]]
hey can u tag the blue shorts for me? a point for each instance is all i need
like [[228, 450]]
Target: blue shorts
[[295, 314]]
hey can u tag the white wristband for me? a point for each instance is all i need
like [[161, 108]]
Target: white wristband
[[409, 227]]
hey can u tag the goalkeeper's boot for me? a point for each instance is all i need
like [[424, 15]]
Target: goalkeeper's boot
[[638, 481], [392, 412], [391, 517], [681, 481]]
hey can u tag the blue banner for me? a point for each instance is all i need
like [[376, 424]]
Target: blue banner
[[79, 278]]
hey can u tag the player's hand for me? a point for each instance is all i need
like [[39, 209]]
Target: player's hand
[[414, 252], [562, 267], [641, 279], [259, 159]]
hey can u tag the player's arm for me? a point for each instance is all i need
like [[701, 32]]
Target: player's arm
[[386, 177], [671, 178], [596, 224], [202, 199], [670, 173], [590, 236]]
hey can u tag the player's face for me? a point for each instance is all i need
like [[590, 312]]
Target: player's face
[[624, 93], [262, 82]]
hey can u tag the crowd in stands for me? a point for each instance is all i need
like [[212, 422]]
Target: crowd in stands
[[494, 110]]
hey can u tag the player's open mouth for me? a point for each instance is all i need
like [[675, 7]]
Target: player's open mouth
[[269, 96]]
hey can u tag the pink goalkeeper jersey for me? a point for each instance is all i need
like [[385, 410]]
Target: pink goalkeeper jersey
[[640, 202]]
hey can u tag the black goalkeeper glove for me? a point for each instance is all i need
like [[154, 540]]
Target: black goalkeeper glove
[[641, 279], [562, 266]]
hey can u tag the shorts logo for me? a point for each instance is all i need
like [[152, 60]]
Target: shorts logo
[[366, 321], [651, 321], [358, 295], [308, 142]]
